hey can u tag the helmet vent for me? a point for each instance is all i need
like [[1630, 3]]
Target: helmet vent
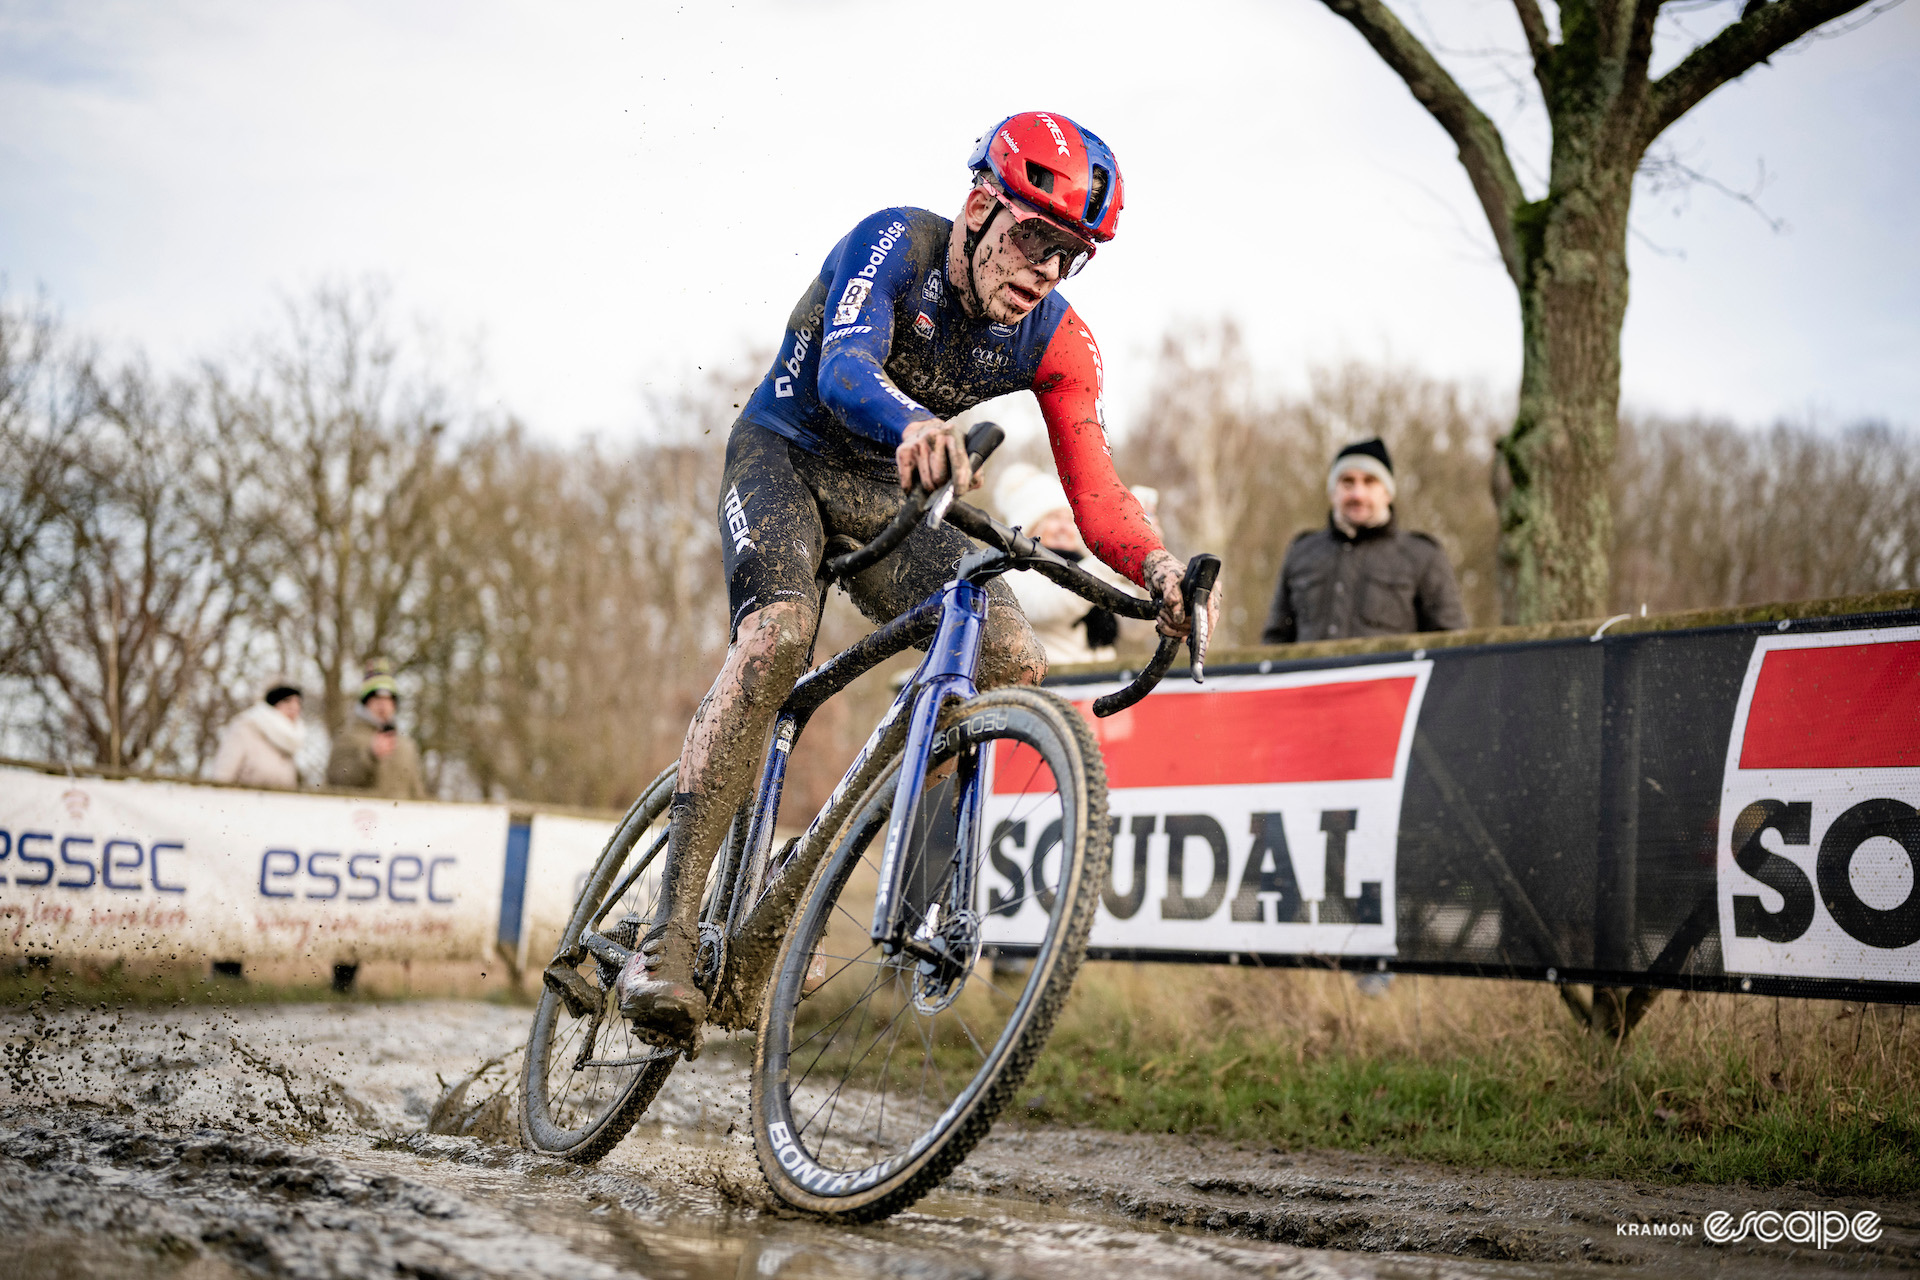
[[1040, 177], [1096, 192]]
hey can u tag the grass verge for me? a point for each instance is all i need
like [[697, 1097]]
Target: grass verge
[[1720, 1089]]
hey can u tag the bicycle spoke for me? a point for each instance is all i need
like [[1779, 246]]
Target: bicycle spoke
[[859, 1002]]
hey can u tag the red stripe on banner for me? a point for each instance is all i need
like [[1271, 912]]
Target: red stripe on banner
[[1332, 732], [1854, 706]]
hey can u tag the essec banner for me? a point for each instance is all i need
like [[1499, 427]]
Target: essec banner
[[1255, 813], [153, 870]]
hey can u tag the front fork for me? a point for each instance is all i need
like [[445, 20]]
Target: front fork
[[946, 672]]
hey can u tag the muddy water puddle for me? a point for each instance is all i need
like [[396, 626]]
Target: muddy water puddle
[[357, 1140]]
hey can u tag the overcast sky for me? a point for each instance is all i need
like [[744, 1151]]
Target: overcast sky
[[606, 196]]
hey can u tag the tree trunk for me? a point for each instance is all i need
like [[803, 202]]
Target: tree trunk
[[1552, 469]]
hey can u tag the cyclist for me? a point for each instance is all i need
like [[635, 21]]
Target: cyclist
[[912, 320]]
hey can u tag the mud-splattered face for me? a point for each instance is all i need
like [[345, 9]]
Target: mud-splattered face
[[1007, 284]]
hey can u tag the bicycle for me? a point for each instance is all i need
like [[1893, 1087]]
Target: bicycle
[[885, 1046]]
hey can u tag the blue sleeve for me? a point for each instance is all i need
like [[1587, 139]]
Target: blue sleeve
[[876, 268]]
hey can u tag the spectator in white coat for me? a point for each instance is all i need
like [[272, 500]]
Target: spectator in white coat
[[1067, 626], [258, 746]]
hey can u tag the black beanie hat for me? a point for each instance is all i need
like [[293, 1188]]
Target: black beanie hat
[[1375, 448], [1362, 455]]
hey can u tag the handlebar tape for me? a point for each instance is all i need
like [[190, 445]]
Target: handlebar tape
[[1202, 572]]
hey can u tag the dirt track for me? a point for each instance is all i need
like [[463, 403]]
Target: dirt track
[[322, 1140]]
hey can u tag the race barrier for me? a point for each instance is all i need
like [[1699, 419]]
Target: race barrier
[[1733, 806], [106, 869], [1726, 807]]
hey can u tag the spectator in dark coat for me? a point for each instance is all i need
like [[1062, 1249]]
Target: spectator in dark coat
[[370, 753], [1362, 575]]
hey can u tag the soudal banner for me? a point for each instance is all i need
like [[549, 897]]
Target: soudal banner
[[146, 870], [1820, 811], [1732, 807], [1256, 814]]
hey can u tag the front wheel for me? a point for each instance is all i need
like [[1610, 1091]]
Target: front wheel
[[875, 1074], [587, 1077]]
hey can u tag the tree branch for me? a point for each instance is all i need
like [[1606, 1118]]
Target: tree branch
[[1539, 42], [1755, 38], [1482, 151]]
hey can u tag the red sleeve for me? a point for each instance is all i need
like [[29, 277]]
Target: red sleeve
[[1068, 385]]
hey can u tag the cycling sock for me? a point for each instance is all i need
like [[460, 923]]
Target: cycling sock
[[690, 849]]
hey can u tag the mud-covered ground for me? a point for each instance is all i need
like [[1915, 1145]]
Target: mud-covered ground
[[352, 1140]]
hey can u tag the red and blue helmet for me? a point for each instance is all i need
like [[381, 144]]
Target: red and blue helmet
[[1046, 161]]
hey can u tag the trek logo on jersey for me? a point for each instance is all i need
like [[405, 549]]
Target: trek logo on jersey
[[1258, 815], [923, 325], [851, 300], [1059, 138], [931, 289], [1819, 842], [737, 522]]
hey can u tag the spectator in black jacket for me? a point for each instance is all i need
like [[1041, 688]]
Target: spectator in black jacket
[[1362, 575]]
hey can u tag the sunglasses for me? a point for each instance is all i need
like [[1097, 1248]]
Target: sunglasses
[[1039, 240]]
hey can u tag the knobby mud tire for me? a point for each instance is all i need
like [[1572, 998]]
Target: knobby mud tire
[[538, 1132], [1073, 754]]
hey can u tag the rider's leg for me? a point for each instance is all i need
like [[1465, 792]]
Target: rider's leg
[[772, 539], [717, 770], [1009, 651]]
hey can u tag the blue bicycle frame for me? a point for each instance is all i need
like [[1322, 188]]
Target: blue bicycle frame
[[947, 671]]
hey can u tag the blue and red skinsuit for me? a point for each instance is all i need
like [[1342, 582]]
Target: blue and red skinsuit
[[880, 340]]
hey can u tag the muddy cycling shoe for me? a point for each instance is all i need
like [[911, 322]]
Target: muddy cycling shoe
[[657, 992]]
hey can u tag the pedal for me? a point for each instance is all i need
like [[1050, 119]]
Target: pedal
[[581, 998]]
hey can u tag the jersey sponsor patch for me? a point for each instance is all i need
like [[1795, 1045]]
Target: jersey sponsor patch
[[1819, 843], [852, 298], [923, 325], [1232, 837], [931, 289]]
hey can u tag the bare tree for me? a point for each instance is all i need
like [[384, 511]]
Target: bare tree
[[1260, 477], [44, 402], [1566, 251], [133, 583], [1714, 515], [350, 457]]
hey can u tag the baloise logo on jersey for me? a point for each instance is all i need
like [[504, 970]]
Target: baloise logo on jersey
[[1819, 842], [1259, 814]]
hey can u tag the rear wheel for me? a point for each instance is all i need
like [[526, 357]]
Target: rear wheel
[[875, 1074], [587, 1077]]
